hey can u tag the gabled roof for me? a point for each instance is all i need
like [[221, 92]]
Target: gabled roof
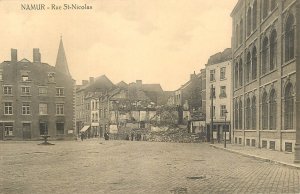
[[24, 61], [101, 83], [122, 84]]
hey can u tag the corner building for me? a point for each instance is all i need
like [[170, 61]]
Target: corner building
[[36, 98], [265, 47]]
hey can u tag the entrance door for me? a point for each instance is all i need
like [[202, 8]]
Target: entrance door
[[1, 131], [26, 131]]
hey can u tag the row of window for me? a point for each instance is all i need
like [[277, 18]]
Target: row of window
[[264, 144], [222, 92], [25, 90], [251, 19], [26, 108], [213, 74], [25, 76], [223, 111], [43, 128], [268, 55], [268, 111]]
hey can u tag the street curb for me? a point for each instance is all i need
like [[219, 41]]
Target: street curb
[[257, 157]]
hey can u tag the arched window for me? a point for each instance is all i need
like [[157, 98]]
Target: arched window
[[236, 75], [273, 109], [248, 67], [289, 38], [248, 114], [237, 36], [273, 50], [253, 112], [254, 15], [241, 31], [241, 72], [240, 115], [254, 63], [236, 115], [273, 4], [249, 21], [265, 111], [264, 56], [265, 8], [288, 107]]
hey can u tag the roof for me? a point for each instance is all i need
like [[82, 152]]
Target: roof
[[220, 57], [101, 83], [122, 84], [61, 60], [152, 88]]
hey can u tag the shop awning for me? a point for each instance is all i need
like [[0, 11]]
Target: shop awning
[[84, 128]]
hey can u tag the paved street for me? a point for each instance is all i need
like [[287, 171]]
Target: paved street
[[136, 167]]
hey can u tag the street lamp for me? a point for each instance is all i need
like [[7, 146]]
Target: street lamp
[[225, 126]]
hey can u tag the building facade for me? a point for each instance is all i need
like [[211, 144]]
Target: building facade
[[86, 95], [190, 99], [36, 98], [265, 50], [218, 82]]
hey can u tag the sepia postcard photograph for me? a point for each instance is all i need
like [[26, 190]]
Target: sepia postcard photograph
[[149, 96]]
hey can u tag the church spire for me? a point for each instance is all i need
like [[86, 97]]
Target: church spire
[[61, 60]]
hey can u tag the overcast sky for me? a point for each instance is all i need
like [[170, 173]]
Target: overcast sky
[[157, 41]]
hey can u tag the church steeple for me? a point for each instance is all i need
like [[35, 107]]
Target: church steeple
[[61, 60]]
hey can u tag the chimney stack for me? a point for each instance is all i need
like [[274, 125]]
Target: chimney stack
[[92, 79], [36, 55], [14, 55], [139, 83], [193, 76], [85, 82]]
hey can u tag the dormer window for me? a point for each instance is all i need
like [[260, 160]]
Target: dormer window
[[51, 77], [24, 76]]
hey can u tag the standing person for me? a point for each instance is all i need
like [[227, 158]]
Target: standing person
[[132, 136], [81, 136]]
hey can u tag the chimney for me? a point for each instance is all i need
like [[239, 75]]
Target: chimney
[[192, 76], [139, 83], [92, 79], [85, 82], [36, 55], [14, 55]]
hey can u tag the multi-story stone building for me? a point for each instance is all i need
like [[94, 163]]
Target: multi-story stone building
[[265, 43], [36, 98], [85, 94], [218, 82], [190, 98]]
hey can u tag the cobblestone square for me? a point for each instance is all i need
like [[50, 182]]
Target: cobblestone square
[[95, 166]]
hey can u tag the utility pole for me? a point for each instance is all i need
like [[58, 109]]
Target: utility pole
[[297, 48], [212, 95]]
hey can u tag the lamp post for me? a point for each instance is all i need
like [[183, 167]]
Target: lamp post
[[225, 126], [212, 95]]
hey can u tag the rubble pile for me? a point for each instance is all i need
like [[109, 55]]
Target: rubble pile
[[173, 135]]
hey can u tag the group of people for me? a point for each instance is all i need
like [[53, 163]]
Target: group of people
[[83, 136]]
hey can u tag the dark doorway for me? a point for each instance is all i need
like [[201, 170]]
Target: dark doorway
[[208, 133], [1, 131], [26, 131]]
